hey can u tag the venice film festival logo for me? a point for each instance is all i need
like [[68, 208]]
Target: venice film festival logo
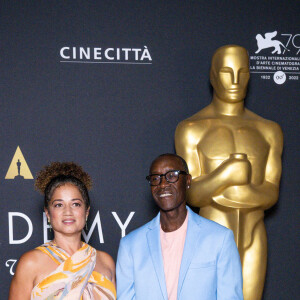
[[18, 171], [277, 57]]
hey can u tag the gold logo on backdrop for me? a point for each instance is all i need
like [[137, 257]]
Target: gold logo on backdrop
[[18, 168]]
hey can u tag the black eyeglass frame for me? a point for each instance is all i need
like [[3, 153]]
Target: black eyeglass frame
[[164, 175]]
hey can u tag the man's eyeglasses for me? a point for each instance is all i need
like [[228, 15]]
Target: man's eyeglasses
[[171, 176]]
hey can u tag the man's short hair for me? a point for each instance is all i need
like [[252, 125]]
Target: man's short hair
[[183, 162]]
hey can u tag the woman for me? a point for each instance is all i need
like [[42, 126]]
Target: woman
[[65, 268]]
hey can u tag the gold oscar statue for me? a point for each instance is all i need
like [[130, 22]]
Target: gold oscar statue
[[234, 157]]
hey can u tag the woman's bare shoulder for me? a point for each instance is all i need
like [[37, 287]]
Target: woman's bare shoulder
[[32, 262], [31, 259], [105, 259]]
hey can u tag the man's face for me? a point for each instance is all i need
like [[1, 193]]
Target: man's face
[[169, 196], [230, 74]]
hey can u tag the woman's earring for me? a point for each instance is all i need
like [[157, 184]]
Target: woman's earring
[[86, 227], [50, 226]]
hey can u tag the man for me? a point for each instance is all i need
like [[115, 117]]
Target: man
[[234, 157], [177, 255]]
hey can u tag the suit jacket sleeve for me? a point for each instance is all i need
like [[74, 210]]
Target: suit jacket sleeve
[[229, 271], [125, 278]]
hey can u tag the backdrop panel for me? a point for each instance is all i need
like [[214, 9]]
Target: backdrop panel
[[104, 84]]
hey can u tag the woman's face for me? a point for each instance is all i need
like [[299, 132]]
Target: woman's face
[[67, 210]]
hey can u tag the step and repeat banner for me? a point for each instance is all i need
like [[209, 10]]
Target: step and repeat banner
[[105, 83]]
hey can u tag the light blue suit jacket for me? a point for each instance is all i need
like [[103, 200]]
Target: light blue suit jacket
[[210, 266]]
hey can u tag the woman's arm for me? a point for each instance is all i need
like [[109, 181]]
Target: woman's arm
[[23, 280], [106, 266]]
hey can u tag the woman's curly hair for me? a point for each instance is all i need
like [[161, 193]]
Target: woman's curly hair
[[57, 174]]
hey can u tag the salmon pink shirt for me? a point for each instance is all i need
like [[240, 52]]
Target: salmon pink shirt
[[172, 244]]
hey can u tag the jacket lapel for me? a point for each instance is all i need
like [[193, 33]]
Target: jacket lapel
[[153, 237], [190, 246]]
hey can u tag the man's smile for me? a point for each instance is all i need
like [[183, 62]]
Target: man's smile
[[165, 194]]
